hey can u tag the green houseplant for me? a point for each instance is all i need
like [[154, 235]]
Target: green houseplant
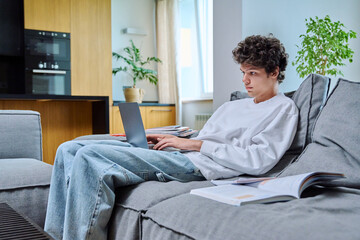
[[324, 47], [135, 68]]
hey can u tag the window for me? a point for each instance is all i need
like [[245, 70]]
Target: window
[[196, 49]]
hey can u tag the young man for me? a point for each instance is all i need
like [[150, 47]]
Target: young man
[[245, 136]]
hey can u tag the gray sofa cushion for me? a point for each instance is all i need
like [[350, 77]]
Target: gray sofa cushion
[[23, 172], [336, 137], [323, 214], [133, 200], [20, 134], [25, 184]]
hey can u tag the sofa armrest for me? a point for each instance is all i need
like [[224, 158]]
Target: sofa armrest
[[20, 134]]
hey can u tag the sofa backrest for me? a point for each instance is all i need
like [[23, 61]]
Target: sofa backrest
[[20, 134], [336, 138]]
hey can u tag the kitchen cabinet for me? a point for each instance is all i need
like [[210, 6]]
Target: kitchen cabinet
[[152, 116], [91, 59], [47, 15], [158, 116], [91, 55], [11, 46], [89, 23], [11, 28]]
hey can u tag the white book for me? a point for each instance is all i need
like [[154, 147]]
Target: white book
[[264, 191]]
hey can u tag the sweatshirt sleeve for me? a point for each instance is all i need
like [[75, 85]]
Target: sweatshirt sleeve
[[265, 150]]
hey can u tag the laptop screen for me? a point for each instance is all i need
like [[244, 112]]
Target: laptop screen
[[133, 124]]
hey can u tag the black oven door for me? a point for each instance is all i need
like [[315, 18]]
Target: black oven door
[[44, 81], [47, 47]]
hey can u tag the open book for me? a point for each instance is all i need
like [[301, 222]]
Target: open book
[[250, 190]]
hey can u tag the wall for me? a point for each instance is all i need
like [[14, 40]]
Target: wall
[[191, 108], [227, 33], [286, 20], [133, 14]]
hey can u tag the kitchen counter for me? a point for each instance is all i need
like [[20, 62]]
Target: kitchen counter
[[145, 103], [63, 118], [100, 110]]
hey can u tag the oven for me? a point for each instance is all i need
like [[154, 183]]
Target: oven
[[47, 81], [47, 62]]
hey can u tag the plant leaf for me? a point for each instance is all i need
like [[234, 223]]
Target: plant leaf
[[324, 45]]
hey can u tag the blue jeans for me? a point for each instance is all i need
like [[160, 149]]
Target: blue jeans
[[86, 174]]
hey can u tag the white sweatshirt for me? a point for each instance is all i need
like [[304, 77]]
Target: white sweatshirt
[[243, 137]]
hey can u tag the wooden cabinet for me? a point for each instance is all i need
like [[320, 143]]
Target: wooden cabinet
[[153, 116], [158, 116], [91, 59], [89, 23], [47, 15]]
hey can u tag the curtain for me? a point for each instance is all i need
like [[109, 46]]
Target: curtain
[[167, 35]]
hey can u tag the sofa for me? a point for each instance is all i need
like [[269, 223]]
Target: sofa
[[24, 177], [327, 139]]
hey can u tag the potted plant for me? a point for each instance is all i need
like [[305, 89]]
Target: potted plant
[[135, 68], [324, 47]]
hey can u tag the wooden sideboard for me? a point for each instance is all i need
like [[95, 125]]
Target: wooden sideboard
[[63, 117]]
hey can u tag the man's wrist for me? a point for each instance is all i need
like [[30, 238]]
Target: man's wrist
[[197, 145]]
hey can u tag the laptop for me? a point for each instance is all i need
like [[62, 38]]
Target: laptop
[[134, 127]]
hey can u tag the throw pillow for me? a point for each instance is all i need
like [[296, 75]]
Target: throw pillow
[[336, 137]]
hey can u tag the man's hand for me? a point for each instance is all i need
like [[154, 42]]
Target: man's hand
[[162, 141]]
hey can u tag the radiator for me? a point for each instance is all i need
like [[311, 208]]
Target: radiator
[[201, 119]]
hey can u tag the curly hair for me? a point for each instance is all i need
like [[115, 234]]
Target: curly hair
[[264, 52]]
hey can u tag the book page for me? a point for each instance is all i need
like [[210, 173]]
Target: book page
[[294, 185], [239, 194], [286, 185], [242, 181]]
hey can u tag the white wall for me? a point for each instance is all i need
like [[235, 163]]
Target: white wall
[[227, 33], [190, 109], [134, 14], [286, 20]]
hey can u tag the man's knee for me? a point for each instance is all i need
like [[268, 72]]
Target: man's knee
[[88, 151], [94, 154], [69, 146]]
